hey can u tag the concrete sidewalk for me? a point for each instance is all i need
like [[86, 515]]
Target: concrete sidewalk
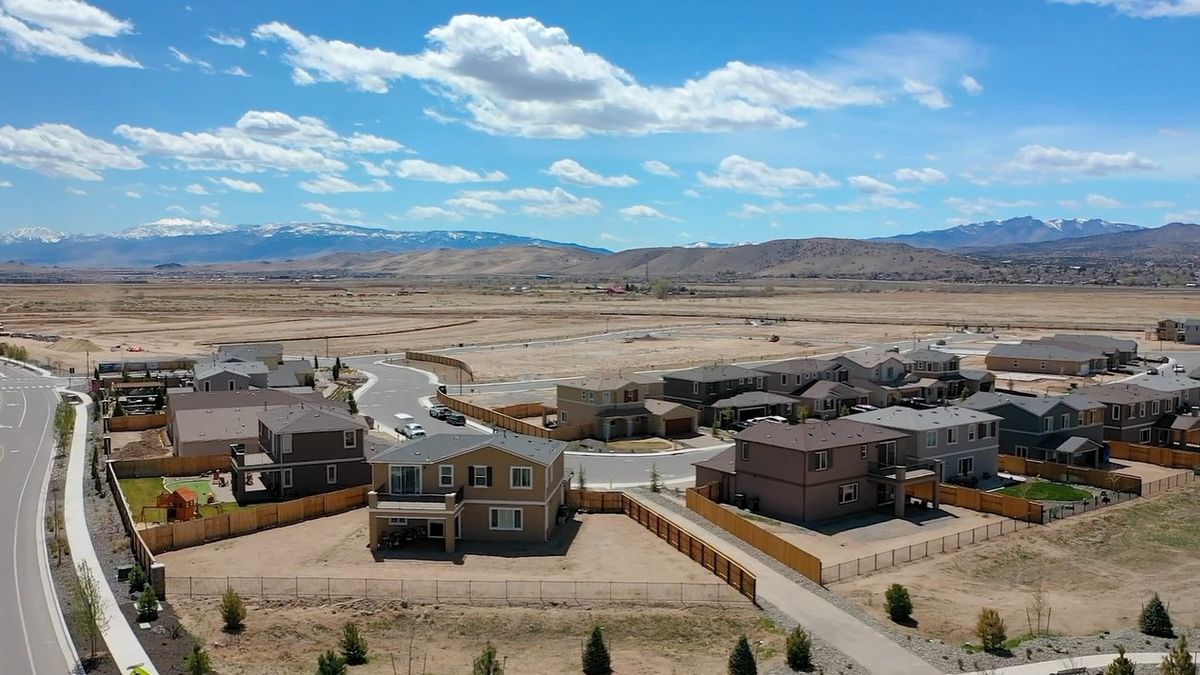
[[1090, 661], [122, 644], [873, 650]]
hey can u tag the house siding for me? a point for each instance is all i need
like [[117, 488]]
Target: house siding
[[787, 489], [311, 454]]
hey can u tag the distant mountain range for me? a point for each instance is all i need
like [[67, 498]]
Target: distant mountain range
[[1023, 230], [1176, 243]]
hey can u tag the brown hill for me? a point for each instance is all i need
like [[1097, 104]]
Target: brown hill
[[1176, 243]]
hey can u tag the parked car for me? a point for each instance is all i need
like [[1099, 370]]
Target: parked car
[[412, 430], [439, 412], [940, 343], [1180, 369], [456, 419]]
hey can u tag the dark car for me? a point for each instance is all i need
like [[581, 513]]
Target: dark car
[[439, 412], [456, 419]]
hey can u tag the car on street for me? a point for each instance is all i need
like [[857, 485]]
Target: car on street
[[456, 419], [439, 412], [412, 430], [1180, 369]]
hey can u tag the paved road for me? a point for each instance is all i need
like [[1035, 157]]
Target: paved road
[[30, 622]]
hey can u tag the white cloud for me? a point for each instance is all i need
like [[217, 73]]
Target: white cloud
[[1144, 9], [473, 204], [433, 213], [984, 205], [419, 169], [641, 211], [872, 202], [970, 85], [1102, 202], [926, 176], [955, 222], [77, 192], [187, 60], [366, 144], [570, 171], [210, 211], [63, 151], [133, 195], [658, 168], [238, 185], [608, 236], [333, 213], [775, 208], [330, 184], [1188, 216], [746, 175], [521, 77], [1068, 203], [176, 208], [926, 94], [309, 132], [1159, 204], [869, 185], [231, 150], [556, 203], [236, 71], [227, 40], [691, 193], [1043, 158], [5, 184], [58, 28], [975, 180], [196, 189]]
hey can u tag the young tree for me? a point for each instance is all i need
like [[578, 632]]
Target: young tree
[[899, 605], [990, 629], [655, 478], [197, 661], [487, 663], [799, 649], [233, 611], [351, 403], [1120, 665], [1155, 620], [316, 364], [147, 605], [331, 664], [661, 288], [581, 478], [137, 579], [337, 369], [354, 647], [741, 660], [595, 656], [87, 614], [1179, 660]]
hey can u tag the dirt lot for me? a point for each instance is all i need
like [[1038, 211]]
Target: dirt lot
[[286, 637], [1096, 570], [140, 444], [605, 548]]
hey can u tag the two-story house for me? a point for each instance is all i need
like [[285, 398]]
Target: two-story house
[[302, 450], [792, 376], [817, 470], [732, 392], [501, 487], [611, 407], [940, 378], [213, 375], [965, 441], [1065, 429], [1132, 412], [269, 354]]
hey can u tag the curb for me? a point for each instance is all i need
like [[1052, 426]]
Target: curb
[[632, 455]]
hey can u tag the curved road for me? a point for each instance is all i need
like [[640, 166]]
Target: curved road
[[32, 636]]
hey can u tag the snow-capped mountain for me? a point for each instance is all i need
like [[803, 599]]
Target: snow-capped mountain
[[713, 244], [1023, 230], [185, 241]]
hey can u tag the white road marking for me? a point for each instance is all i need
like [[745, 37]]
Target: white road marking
[[16, 531], [24, 409]]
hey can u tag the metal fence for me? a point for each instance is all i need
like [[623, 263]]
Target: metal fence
[[453, 591], [1058, 511]]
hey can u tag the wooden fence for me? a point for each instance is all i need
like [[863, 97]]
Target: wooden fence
[[137, 422], [443, 360], [169, 466], [137, 544], [522, 410], [174, 536], [1150, 454], [784, 551], [1065, 473], [985, 502], [596, 501], [496, 418]]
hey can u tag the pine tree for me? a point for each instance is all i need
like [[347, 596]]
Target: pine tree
[[1179, 660], [1155, 620], [899, 604], [315, 363], [137, 579], [595, 656], [331, 664], [990, 629], [197, 662], [487, 663], [1120, 665], [351, 403], [354, 647], [233, 611], [337, 368], [147, 605], [741, 660], [799, 649], [655, 478]]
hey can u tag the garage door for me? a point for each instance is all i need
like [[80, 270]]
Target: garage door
[[683, 425], [750, 413]]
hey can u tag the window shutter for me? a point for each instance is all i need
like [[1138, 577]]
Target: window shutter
[[489, 476]]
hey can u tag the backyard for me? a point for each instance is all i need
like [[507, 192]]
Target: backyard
[[142, 495], [1045, 491]]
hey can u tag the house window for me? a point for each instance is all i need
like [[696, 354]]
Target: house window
[[783, 378], [696, 388], [745, 448], [287, 478], [1042, 365], [231, 385], [1154, 408], [1082, 418], [1021, 451], [446, 475], [931, 439], [966, 466], [952, 435], [848, 493], [349, 439], [397, 521], [820, 460], [562, 415], [1047, 424], [1142, 409], [520, 477], [1115, 411], [505, 519], [741, 381], [1145, 436], [285, 443], [331, 474], [970, 432], [606, 397], [481, 476], [207, 385], [1065, 420], [758, 382], [862, 452]]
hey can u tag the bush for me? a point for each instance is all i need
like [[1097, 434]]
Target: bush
[[1179, 660], [147, 605], [899, 605], [595, 656], [1120, 665], [990, 630], [1155, 620], [487, 663], [197, 661], [137, 579], [741, 660], [354, 647], [331, 664], [799, 649], [233, 611]]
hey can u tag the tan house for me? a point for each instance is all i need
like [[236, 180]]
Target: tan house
[[499, 487], [611, 407], [1043, 357]]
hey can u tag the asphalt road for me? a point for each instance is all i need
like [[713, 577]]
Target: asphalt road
[[28, 631]]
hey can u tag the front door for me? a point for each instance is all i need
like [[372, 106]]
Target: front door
[[406, 480]]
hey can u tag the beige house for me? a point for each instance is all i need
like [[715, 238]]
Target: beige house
[[500, 487], [607, 408]]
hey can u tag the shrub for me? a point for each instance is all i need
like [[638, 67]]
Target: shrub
[[799, 649], [1155, 620], [899, 605], [595, 656], [233, 611], [1179, 660], [331, 664], [741, 660], [1120, 665], [990, 629], [197, 661], [354, 647], [137, 579], [147, 605], [487, 663]]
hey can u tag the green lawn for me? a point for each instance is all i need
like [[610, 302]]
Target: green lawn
[[143, 492], [1046, 491]]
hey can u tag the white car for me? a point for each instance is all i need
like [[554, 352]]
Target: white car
[[412, 430], [1180, 369]]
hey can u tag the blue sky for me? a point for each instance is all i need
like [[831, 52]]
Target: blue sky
[[617, 124]]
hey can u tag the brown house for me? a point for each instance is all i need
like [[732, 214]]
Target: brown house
[[501, 487], [607, 408]]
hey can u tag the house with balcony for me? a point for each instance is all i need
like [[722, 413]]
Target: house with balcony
[[503, 487], [964, 441], [1064, 429], [817, 470], [302, 450], [1134, 412], [612, 407], [733, 392]]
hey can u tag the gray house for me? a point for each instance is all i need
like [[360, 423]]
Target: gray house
[[207, 423], [1132, 411], [213, 375], [1119, 351], [1065, 429], [965, 441], [792, 376], [269, 354], [702, 388]]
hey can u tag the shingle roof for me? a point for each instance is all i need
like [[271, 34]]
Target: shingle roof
[[298, 419], [438, 447], [723, 461], [801, 365], [1035, 405], [713, 374], [660, 407], [753, 398], [1124, 393], [873, 357], [1076, 444], [826, 389], [203, 370], [192, 400], [817, 435], [1167, 382], [290, 374], [1043, 350], [911, 419], [253, 351], [603, 383], [936, 355], [1101, 341]]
